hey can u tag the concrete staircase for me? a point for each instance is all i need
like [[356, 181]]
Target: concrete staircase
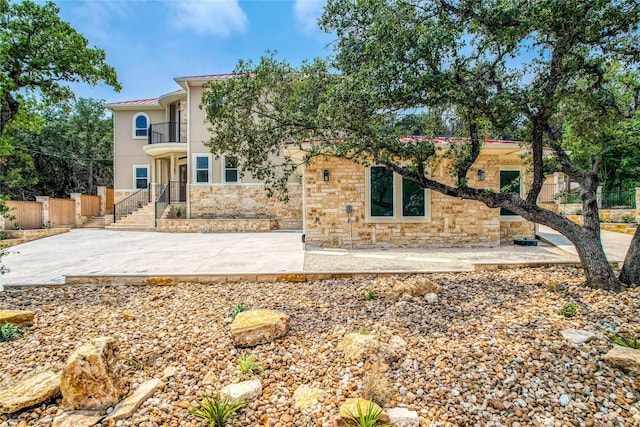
[[142, 219], [96, 222]]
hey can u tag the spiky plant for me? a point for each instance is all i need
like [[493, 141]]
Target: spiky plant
[[370, 418], [237, 309], [10, 332], [625, 340], [249, 364], [370, 295], [218, 411]]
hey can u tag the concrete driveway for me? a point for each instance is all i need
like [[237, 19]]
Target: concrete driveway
[[97, 252]]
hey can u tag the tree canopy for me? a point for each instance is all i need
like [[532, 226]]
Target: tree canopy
[[39, 52], [496, 65]]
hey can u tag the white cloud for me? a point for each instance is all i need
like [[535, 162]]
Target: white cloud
[[307, 13], [208, 17]]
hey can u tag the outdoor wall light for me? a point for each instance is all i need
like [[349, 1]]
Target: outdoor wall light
[[325, 175], [480, 175]]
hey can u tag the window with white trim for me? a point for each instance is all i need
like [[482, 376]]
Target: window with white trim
[[510, 182], [201, 170], [140, 125], [392, 196], [230, 171], [140, 177]]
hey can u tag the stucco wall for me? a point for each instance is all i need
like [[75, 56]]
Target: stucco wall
[[452, 222]]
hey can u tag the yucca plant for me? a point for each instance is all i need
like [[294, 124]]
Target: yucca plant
[[625, 340], [10, 332], [237, 309], [249, 364], [218, 411], [370, 418], [370, 295]]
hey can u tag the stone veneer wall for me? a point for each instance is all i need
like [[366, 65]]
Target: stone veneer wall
[[453, 222], [119, 195], [245, 201], [216, 225], [510, 230]]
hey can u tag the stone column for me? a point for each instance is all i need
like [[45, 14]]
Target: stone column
[[101, 191], [638, 204], [45, 208], [77, 211]]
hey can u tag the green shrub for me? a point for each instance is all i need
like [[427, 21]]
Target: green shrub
[[370, 418], [237, 309], [568, 310], [249, 364], [625, 340], [628, 219], [370, 295], [219, 412], [10, 332]]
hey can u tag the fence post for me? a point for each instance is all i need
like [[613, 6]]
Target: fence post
[[45, 209], [77, 210], [101, 191]]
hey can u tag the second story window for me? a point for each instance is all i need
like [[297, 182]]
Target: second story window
[[140, 125], [230, 169]]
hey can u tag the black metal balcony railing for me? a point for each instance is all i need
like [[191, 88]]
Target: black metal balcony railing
[[165, 132]]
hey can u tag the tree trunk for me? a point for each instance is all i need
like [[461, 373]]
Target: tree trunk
[[8, 111], [630, 274], [599, 273]]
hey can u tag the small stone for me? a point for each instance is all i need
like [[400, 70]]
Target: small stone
[[403, 417], [168, 372], [258, 326], [306, 397], [244, 391], [35, 389], [565, 399], [209, 378], [17, 317], [77, 419], [577, 336], [431, 298]]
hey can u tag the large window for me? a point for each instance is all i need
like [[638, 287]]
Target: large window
[[141, 176], [394, 197], [140, 125], [230, 169], [201, 170], [509, 183]]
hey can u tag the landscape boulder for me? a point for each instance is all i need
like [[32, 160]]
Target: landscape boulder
[[258, 326], [366, 347], [350, 409], [403, 417], [244, 391], [33, 390], [414, 287], [77, 419], [125, 408], [306, 397], [577, 336], [627, 359], [17, 317], [92, 377]]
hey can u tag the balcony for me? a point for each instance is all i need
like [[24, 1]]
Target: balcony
[[161, 133], [165, 139]]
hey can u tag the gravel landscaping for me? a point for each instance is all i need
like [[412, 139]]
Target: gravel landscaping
[[489, 352]]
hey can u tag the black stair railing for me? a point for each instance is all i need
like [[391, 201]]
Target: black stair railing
[[162, 201], [132, 203]]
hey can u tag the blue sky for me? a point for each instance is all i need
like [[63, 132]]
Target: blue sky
[[150, 42]]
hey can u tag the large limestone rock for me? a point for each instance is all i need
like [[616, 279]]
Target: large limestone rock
[[31, 391], [577, 336], [258, 326], [362, 347], [350, 409], [77, 419], [93, 378], [403, 417], [627, 359], [17, 317], [125, 408], [415, 287], [306, 397], [244, 391]]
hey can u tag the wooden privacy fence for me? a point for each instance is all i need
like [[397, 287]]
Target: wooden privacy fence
[[62, 212], [90, 205], [28, 215]]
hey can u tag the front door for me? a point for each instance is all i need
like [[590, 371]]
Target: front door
[[182, 174]]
